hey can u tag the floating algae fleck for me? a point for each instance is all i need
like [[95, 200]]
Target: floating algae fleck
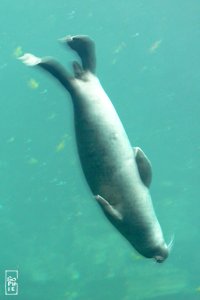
[[52, 116], [33, 84], [198, 289], [18, 52], [33, 161], [11, 139], [149, 285], [71, 295], [155, 46], [60, 146]]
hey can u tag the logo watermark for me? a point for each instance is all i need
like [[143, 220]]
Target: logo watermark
[[11, 282]]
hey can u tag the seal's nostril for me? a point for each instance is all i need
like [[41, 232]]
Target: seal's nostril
[[159, 258]]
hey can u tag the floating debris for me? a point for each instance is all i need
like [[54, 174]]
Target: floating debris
[[135, 35], [71, 295], [135, 256], [120, 47], [167, 183], [155, 46], [33, 84], [44, 92], [60, 146], [52, 116], [11, 139], [71, 15], [28, 141], [118, 50], [3, 66], [18, 52], [33, 161]]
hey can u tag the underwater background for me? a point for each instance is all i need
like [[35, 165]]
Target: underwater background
[[51, 230]]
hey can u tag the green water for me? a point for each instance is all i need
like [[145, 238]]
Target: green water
[[51, 229]]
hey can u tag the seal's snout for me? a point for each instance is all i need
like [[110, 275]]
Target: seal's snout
[[159, 259], [161, 253]]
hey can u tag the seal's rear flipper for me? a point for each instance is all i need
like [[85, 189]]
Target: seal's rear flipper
[[30, 59], [108, 209], [85, 48], [50, 65]]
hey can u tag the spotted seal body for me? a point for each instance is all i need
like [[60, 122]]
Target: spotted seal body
[[118, 175]]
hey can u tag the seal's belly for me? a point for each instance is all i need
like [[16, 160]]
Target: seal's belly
[[105, 152]]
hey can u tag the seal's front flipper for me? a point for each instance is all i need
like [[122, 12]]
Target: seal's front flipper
[[85, 48], [108, 209], [50, 65], [144, 166]]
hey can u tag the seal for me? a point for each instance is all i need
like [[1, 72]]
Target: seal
[[118, 175]]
